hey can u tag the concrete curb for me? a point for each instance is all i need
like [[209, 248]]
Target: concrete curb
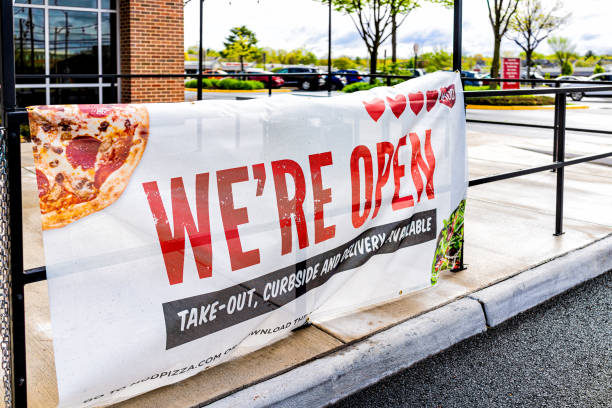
[[350, 369], [532, 287], [522, 107], [357, 366]]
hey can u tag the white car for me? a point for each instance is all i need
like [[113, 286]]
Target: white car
[[576, 96]]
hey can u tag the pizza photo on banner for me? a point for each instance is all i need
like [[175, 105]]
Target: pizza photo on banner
[[179, 236]]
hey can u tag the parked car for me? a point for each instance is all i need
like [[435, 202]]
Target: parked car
[[351, 75], [485, 79], [306, 78], [277, 81], [337, 82], [471, 82], [470, 74], [416, 72], [532, 75], [215, 72], [577, 96]]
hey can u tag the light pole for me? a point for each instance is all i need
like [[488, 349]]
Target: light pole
[[457, 29], [200, 55], [329, 43], [415, 47], [385, 62]]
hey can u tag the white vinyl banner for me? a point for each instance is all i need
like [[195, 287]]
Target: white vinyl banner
[[178, 236]]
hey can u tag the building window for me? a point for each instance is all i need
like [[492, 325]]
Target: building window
[[71, 37]]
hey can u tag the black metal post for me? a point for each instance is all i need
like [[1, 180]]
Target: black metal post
[[18, 333], [560, 106], [388, 80], [7, 60], [556, 128], [457, 29], [385, 61], [200, 54], [16, 347], [114, 90], [269, 85], [329, 44]]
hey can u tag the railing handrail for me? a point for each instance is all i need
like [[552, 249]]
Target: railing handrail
[[538, 91], [377, 75]]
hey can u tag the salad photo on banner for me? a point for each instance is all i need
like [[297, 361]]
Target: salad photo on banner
[[179, 236]]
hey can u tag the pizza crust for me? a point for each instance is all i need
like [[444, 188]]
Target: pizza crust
[[114, 185]]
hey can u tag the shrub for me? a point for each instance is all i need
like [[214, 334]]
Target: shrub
[[231, 83], [477, 88], [598, 69], [360, 86], [517, 100], [225, 83], [567, 68]]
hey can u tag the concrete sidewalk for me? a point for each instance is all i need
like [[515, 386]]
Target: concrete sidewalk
[[513, 262]]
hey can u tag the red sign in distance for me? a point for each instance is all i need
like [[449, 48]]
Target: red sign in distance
[[511, 68]]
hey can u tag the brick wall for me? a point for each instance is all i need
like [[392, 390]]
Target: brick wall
[[151, 42]]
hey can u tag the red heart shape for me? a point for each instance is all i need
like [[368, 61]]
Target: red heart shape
[[432, 98], [375, 108], [448, 96], [417, 100], [397, 104]]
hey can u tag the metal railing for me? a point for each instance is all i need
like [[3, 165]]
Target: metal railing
[[14, 277], [17, 117]]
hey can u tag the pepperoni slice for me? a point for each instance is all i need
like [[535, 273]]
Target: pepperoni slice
[[112, 160], [43, 183], [82, 151], [96, 111]]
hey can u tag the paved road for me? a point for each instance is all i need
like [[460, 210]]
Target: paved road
[[597, 116], [556, 355]]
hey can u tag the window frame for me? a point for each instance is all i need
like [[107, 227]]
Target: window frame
[[100, 83]]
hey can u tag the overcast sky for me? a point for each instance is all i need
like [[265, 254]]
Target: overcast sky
[[290, 24]]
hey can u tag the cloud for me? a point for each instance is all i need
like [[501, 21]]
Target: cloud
[[589, 37], [430, 26], [431, 37], [348, 39]]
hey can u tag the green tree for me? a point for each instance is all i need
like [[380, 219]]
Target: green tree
[[343, 63], [294, 57], [598, 69], [500, 14], [564, 50], [589, 54], [532, 24], [376, 20], [399, 11], [241, 44], [373, 20], [437, 60], [212, 53], [567, 68]]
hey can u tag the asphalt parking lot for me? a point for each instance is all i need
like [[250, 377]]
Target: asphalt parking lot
[[558, 354]]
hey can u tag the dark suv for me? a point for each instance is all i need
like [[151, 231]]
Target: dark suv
[[307, 82]]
